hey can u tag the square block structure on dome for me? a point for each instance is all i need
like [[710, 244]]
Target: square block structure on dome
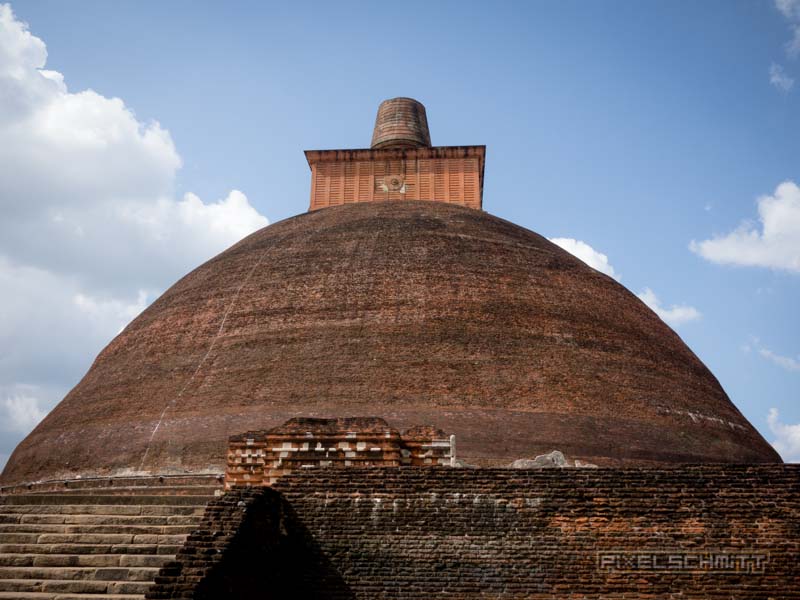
[[452, 174], [400, 165]]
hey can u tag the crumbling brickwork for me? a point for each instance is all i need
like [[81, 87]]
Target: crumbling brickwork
[[563, 533], [261, 457]]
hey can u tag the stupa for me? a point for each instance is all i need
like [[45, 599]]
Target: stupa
[[344, 368], [395, 296]]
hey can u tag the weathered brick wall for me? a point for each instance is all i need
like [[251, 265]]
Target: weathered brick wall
[[250, 545], [262, 457], [430, 533]]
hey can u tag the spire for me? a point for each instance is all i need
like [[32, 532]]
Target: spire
[[401, 123], [400, 165]]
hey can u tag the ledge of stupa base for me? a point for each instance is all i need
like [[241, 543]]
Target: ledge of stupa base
[[126, 481]]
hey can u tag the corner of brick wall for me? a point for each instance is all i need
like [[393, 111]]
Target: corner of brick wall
[[229, 527], [251, 545]]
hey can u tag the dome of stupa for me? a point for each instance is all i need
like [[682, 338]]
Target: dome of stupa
[[416, 312]]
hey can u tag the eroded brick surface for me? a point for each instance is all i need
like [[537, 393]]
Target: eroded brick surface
[[416, 312], [261, 457], [450, 533]]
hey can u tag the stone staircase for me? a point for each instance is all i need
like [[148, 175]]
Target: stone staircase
[[95, 538]]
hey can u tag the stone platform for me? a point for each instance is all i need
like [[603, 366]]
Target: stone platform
[[95, 538]]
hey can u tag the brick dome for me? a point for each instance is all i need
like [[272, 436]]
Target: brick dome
[[416, 312]]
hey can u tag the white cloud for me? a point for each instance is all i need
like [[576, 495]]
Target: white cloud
[[785, 362], [791, 10], [110, 313], [593, 258], [787, 442], [81, 173], [779, 78], [91, 229], [23, 412], [774, 244], [675, 315], [793, 45]]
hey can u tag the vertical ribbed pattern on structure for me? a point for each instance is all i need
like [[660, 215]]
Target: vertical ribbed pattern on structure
[[401, 122], [455, 179]]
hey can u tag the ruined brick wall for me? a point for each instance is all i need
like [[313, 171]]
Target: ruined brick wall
[[567, 533], [260, 458]]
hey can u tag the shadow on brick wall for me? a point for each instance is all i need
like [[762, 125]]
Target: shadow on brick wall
[[252, 545]]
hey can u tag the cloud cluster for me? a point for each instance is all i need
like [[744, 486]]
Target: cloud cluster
[[23, 410], [779, 78], [787, 440], [774, 242], [790, 9], [593, 258], [674, 316], [91, 231], [785, 362]]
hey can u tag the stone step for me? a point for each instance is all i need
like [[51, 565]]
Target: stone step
[[90, 539], [95, 538], [20, 538], [194, 490], [106, 482], [85, 560], [52, 596], [80, 573], [131, 510], [89, 549], [215, 479], [72, 519], [60, 560], [105, 499], [74, 544], [76, 587], [112, 528]]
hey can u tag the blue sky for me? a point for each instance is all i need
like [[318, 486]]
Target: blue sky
[[633, 127]]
